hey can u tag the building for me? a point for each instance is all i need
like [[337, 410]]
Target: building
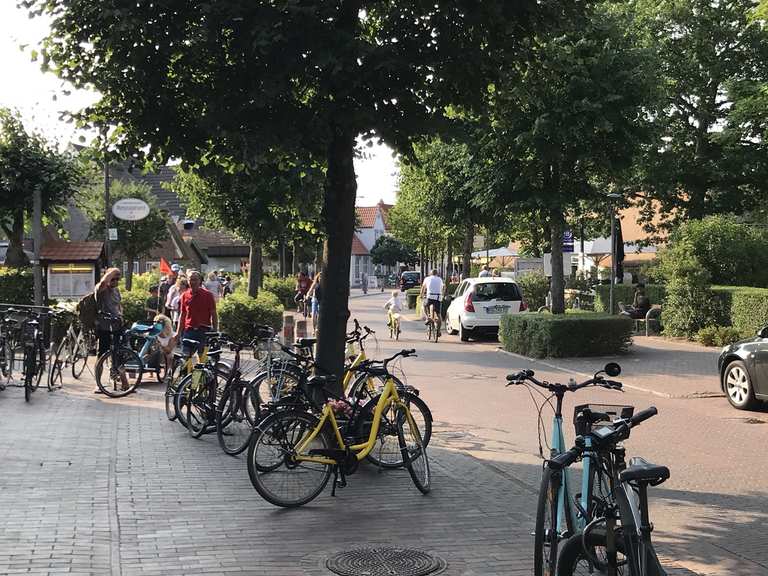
[[371, 225]]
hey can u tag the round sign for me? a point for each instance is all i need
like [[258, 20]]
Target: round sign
[[130, 209]]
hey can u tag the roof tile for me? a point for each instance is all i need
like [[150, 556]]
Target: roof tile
[[71, 251]]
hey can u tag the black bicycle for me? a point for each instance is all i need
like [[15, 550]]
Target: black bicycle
[[119, 370], [35, 352]]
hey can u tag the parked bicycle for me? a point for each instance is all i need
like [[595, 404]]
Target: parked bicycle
[[558, 515], [619, 540], [71, 354]]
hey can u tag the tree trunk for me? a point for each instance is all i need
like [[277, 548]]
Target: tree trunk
[[294, 260], [255, 271], [449, 270], [421, 260], [469, 239], [15, 257], [339, 216], [557, 287], [129, 272], [281, 257]]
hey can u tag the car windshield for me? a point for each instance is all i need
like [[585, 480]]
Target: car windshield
[[504, 291]]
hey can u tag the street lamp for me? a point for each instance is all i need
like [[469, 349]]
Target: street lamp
[[614, 199]]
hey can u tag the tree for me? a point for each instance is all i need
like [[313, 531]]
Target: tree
[[258, 205], [28, 163], [709, 152], [388, 251], [243, 81], [568, 122], [135, 239]]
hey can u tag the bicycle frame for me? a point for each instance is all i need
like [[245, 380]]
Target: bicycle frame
[[638, 550], [388, 397]]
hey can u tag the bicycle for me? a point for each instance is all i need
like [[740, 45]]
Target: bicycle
[[297, 445], [119, 370], [556, 515], [619, 541], [34, 352], [433, 323], [72, 352]]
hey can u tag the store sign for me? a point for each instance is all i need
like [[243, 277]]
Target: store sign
[[567, 241], [130, 209]]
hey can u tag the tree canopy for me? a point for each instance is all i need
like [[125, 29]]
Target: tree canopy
[[29, 163]]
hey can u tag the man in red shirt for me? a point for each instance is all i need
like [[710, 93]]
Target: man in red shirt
[[197, 313]]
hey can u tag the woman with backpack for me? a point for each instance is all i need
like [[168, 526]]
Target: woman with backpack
[[109, 303]]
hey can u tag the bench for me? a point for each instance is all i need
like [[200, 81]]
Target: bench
[[653, 315]]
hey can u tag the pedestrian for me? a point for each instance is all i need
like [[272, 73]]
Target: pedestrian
[[152, 305], [197, 313], [640, 304], [168, 281], [229, 285], [364, 282], [213, 286], [316, 293], [109, 302], [484, 273], [173, 301]]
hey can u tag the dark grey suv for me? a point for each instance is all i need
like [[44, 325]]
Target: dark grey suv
[[410, 279], [743, 368]]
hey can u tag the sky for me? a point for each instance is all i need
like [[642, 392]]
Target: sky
[[39, 98]]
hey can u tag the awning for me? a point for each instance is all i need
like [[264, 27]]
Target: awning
[[630, 259]]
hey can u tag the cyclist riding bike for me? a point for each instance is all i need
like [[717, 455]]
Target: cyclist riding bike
[[303, 282], [432, 295]]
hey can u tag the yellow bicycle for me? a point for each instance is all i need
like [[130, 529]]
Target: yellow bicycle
[[292, 454]]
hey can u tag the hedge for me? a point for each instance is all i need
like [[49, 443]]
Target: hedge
[[17, 286], [283, 288], [239, 314], [133, 306], [625, 293], [742, 307], [565, 335]]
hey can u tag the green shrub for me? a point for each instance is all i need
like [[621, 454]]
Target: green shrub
[[565, 335], [626, 293], [283, 288], [238, 314], [133, 305], [719, 335], [743, 307], [535, 287], [17, 286], [141, 282]]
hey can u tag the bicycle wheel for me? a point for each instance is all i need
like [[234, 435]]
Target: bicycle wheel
[[55, 376], [29, 372], [429, 332], [546, 536], [413, 449], [119, 377], [198, 409], [80, 355], [235, 419], [272, 465], [387, 453], [273, 385], [574, 561]]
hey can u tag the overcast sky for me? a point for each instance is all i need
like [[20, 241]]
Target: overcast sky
[[25, 88]]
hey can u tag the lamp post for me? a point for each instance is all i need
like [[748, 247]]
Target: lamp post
[[614, 198]]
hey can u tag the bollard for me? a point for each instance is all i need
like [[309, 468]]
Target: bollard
[[288, 328], [301, 329]]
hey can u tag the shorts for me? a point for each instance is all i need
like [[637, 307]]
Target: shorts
[[434, 304]]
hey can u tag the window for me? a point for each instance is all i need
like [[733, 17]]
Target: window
[[149, 266], [135, 266], [357, 266], [125, 268], [504, 291], [461, 288]]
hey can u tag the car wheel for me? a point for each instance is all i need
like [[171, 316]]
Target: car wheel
[[738, 386], [448, 326], [464, 334]]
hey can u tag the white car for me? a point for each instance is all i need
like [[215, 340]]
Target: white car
[[479, 303]]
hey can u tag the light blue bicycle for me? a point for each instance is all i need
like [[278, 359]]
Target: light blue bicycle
[[560, 511]]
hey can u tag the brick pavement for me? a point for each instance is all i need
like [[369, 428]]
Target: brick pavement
[[97, 486]]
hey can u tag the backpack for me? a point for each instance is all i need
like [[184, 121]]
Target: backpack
[[87, 310]]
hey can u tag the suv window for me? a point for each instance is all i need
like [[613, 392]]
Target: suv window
[[411, 276], [504, 291]]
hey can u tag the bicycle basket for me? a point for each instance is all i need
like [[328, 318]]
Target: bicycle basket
[[587, 417]]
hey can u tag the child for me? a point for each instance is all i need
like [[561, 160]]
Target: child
[[393, 306], [167, 342]]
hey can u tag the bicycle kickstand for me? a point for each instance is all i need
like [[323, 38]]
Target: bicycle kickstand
[[339, 479]]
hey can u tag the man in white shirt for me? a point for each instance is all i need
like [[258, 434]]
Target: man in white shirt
[[485, 272], [431, 295]]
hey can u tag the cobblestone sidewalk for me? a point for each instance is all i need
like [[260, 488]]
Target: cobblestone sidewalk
[[98, 486]]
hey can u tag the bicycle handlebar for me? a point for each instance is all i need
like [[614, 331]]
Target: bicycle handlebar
[[523, 375]]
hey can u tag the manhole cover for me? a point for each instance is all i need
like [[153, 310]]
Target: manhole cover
[[385, 561]]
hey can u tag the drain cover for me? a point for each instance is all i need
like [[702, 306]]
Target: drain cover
[[385, 561]]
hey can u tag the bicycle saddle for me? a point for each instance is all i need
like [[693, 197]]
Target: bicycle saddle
[[642, 471], [306, 342]]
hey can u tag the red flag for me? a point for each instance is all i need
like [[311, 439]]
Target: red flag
[[165, 268]]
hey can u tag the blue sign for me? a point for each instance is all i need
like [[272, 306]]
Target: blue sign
[[567, 241]]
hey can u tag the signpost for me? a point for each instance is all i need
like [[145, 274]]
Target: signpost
[[130, 209]]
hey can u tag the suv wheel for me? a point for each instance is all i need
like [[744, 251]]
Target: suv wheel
[[738, 386]]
